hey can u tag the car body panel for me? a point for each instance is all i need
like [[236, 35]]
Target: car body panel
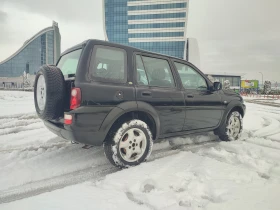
[[173, 112]]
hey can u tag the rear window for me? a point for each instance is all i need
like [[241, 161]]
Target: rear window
[[68, 63], [109, 64]]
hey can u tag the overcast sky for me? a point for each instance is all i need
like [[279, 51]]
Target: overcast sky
[[241, 36]]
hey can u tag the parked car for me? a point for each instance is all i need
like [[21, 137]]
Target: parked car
[[101, 93]]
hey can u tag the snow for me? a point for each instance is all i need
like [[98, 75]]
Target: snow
[[264, 99], [42, 171], [14, 103]]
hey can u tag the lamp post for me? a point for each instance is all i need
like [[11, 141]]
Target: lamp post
[[262, 77]]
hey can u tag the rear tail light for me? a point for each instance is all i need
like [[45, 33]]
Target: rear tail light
[[68, 119], [75, 100]]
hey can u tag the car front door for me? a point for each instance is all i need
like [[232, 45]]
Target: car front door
[[204, 107], [157, 87]]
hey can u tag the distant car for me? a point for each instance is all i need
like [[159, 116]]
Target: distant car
[[101, 93]]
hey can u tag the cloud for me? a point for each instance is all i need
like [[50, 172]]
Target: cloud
[[28, 17], [237, 36], [3, 17], [68, 10]]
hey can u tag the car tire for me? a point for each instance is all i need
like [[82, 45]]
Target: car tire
[[49, 90], [129, 144], [234, 127]]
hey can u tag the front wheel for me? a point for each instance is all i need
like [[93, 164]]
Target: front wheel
[[234, 127], [131, 144]]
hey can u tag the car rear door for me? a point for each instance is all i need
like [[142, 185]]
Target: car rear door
[[156, 85], [106, 85], [204, 107]]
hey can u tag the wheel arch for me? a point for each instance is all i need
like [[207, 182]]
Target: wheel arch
[[232, 106], [128, 111]]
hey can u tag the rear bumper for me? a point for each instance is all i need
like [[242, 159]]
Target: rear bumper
[[84, 137]]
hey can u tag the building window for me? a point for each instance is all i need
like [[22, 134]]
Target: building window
[[157, 16], [236, 81], [156, 25], [157, 6], [163, 34]]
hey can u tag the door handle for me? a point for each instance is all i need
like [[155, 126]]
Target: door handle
[[146, 94], [190, 95]]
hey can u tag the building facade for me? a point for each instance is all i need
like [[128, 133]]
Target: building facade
[[154, 25], [42, 48], [233, 79]]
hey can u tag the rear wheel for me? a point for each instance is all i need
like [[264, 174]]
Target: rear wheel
[[234, 127], [131, 144]]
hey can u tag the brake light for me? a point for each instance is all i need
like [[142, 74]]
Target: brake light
[[75, 100], [68, 119]]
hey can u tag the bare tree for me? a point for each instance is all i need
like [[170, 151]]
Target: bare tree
[[267, 87]]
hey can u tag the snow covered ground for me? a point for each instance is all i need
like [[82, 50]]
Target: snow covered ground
[[41, 171], [264, 101]]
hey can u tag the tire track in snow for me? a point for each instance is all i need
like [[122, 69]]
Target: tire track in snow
[[13, 130], [19, 116], [264, 163], [272, 128], [36, 148], [264, 142], [92, 173], [19, 123], [47, 185]]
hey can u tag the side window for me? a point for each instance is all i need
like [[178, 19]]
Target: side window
[[191, 79], [158, 72], [109, 64], [141, 74]]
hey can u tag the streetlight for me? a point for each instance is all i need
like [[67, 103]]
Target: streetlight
[[262, 77]]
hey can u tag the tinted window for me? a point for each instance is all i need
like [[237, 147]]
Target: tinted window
[[141, 74], [69, 62], [158, 72], [191, 79], [109, 64]]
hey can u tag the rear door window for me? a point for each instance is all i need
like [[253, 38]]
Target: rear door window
[[142, 78], [158, 72], [68, 63], [109, 64]]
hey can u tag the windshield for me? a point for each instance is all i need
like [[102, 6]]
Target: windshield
[[69, 62]]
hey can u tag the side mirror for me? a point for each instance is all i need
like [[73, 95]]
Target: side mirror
[[217, 86]]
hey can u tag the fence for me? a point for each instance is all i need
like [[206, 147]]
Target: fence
[[251, 95], [14, 86]]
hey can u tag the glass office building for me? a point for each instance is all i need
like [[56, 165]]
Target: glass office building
[[153, 25], [42, 48]]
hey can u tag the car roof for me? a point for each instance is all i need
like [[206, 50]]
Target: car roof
[[126, 47]]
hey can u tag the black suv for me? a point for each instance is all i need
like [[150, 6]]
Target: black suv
[[124, 98]]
